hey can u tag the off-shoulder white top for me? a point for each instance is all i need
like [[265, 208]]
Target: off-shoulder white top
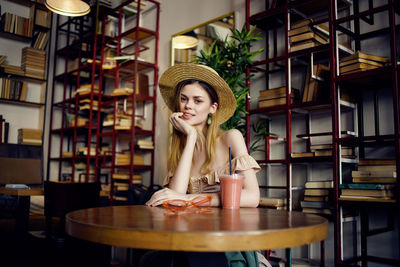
[[201, 183]]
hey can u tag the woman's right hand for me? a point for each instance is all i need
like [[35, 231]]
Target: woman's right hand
[[181, 125], [163, 195]]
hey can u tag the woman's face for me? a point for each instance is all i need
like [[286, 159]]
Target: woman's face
[[195, 103]]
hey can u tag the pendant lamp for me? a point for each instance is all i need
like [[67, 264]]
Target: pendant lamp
[[70, 8]]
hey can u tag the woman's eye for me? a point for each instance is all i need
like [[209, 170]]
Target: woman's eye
[[197, 101], [183, 99]]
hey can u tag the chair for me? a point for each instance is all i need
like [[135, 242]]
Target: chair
[[59, 199]]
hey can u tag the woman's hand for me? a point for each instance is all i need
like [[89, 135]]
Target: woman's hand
[[181, 125], [165, 194]]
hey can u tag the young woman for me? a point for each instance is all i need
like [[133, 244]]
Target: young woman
[[201, 101]]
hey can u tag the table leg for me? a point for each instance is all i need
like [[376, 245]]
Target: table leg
[[22, 215]]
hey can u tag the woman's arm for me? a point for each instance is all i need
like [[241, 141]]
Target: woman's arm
[[167, 194], [180, 180], [250, 192]]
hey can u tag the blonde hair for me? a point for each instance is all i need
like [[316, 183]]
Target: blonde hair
[[205, 140]]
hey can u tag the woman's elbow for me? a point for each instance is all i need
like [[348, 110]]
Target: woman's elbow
[[252, 200]]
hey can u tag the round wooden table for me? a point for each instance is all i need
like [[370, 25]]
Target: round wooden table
[[220, 230]]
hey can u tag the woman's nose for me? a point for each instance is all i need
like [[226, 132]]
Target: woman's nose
[[189, 104]]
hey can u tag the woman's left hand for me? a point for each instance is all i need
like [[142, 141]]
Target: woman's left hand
[[165, 194]]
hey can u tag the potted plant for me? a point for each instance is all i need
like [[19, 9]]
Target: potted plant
[[230, 58]]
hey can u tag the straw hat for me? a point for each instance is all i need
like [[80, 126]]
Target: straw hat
[[180, 72]]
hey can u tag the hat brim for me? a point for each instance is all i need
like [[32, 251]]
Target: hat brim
[[185, 71]]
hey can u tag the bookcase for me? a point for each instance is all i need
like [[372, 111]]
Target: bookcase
[[104, 97], [24, 34], [343, 120]]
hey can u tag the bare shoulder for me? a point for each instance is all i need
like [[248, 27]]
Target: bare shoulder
[[233, 135], [233, 138]]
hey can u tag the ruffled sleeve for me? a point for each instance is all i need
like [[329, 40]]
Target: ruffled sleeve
[[240, 163], [201, 183]]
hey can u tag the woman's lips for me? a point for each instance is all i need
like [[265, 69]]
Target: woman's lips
[[187, 116]]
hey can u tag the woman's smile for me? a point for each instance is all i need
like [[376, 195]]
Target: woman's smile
[[187, 116]]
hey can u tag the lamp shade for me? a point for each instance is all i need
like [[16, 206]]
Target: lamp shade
[[71, 8], [185, 42]]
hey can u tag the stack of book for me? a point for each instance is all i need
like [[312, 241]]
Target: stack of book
[[275, 97], [358, 191], [124, 159], [33, 62], [13, 89], [326, 150], [317, 197], [375, 171], [373, 180], [317, 87], [30, 136], [145, 144], [85, 104], [11, 69], [86, 89], [16, 24], [360, 61], [122, 122], [302, 35], [121, 180]]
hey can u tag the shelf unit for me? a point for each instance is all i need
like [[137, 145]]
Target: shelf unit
[[73, 128], [136, 39], [88, 52], [23, 85], [344, 121], [371, 22]]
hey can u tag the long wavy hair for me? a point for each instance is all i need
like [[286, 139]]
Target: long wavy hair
[[206, 139]]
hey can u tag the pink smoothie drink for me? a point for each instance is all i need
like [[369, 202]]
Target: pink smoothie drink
[[231, 190]]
